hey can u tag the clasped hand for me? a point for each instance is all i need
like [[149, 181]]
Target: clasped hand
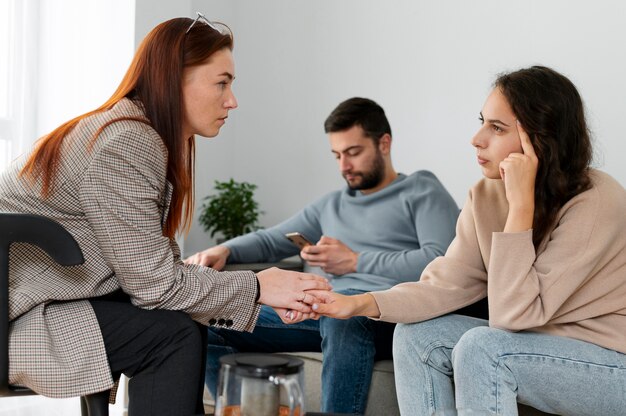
[[291, 294], [336, 305]]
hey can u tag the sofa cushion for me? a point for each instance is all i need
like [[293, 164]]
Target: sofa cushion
[[382, 396]]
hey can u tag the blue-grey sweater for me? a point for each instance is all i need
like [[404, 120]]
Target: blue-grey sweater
[[397, 231]]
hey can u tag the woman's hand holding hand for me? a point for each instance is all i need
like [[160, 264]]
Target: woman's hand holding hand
[[518, 172], [284, 290], [340, 306]]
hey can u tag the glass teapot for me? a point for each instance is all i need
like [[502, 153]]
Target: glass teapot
[[254, 384]]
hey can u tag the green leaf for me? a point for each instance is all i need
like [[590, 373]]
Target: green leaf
[[231, 211]]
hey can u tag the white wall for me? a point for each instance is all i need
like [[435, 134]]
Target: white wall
[[429, 64], [150, 13]]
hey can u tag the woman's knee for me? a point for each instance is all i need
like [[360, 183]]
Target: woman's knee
[[406, 338], [179, 331], [421, 338], [422, 342], [479, 346], [182, 322]]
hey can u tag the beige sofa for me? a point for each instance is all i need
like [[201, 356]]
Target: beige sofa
[[382, 397]]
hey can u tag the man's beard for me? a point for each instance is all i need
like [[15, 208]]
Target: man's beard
[[373, 177]]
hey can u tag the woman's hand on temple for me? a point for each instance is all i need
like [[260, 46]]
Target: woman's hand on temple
[[518, 172]]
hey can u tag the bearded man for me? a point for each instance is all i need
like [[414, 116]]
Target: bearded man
[[381, 230]]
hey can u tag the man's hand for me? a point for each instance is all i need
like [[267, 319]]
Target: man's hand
[[214, 257], [331, 255], [286, 289]]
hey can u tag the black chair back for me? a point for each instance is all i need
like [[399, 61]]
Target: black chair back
[[62, 248]]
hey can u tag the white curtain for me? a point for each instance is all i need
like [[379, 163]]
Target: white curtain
[[19, 30], [58, 59]]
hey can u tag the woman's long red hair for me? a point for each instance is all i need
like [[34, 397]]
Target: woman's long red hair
[[155, 79]]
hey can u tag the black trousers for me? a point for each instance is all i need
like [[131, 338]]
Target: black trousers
[[162, 352]]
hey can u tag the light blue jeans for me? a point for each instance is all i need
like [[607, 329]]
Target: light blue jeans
[[458, 365]]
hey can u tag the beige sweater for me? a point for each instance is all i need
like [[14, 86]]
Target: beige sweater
[[573, 286]]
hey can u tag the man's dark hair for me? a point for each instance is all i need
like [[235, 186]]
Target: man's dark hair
[[361, 112]]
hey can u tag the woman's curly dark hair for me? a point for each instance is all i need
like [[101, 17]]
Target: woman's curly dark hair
[[551, 111]]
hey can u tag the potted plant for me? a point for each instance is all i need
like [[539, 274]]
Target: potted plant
[[232, 211]]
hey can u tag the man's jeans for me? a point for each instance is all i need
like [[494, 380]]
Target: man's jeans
[[490, 370], [350, 348]]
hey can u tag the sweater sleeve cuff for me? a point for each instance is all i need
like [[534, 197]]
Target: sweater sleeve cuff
[[384, 303]]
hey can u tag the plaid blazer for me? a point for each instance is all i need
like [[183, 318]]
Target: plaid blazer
[[112, 195]]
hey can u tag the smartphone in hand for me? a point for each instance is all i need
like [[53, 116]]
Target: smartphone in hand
[[299, 240]]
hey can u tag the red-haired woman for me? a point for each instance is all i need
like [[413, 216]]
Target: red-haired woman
[[120, 180]]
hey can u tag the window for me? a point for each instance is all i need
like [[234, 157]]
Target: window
[[17, 76], [35, 42], [6, 31]]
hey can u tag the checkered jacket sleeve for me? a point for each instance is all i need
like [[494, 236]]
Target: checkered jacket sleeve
[[123, 194]]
